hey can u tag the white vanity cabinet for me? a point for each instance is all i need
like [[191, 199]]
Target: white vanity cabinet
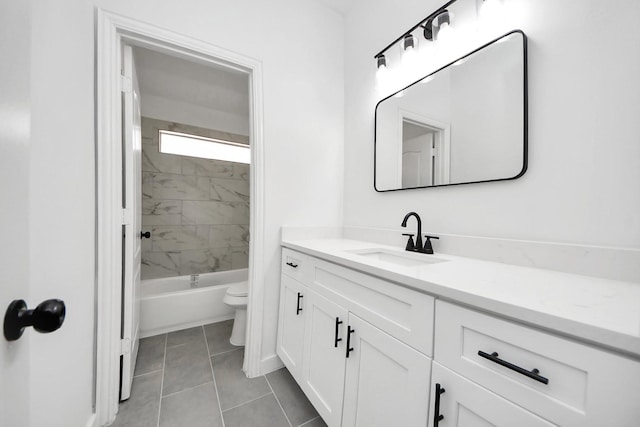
[[386, 382], [324, 357], [384, 378], [495, 372], [291, 328], [560, 380], [458, 402]]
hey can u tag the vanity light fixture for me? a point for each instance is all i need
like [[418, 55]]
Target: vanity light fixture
[[408, 43], [442, 23], [439, 20], [382, 72], [409, 49]]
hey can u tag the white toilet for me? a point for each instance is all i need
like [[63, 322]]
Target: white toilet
[[237, 296]]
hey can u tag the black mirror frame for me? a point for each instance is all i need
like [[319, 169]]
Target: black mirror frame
[[525, 118]]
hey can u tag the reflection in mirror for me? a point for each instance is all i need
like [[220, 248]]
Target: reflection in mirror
[[464, 123]]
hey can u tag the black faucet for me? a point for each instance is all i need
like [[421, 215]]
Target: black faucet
[[417, 246]]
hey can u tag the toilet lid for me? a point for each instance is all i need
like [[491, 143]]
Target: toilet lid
[[240, 289]]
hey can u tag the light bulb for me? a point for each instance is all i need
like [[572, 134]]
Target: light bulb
[[382, 74], [445, 32], [491, 12], [382, 71], [489, 7], [409, 56]]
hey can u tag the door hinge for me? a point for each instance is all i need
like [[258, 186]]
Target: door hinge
[[125, 346], [127, 216], [126, 85]]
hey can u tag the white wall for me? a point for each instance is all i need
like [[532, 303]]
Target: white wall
[[300, 46], [172, 110], [584, 104]]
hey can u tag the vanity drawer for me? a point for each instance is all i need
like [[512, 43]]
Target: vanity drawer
[[576, 385], [296, 265], [405, 314]]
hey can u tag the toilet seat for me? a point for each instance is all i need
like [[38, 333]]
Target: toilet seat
[[240, 289]]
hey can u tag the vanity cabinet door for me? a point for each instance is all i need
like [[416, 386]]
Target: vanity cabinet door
[[293, 313], [324, 357], [387, 382], [463, 403]]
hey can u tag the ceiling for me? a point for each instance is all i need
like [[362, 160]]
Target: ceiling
[[211, 86]]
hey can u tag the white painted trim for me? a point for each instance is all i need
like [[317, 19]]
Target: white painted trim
[[112, 31], [92, 421], [270, 364]]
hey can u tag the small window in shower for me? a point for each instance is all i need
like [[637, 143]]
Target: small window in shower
[[206, 148]]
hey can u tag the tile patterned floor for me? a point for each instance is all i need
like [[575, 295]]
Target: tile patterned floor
[[194, 378]]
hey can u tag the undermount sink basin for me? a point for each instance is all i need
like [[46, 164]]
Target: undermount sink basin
[[405, 259]]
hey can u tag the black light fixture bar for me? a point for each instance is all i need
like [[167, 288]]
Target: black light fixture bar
[[412, 29]]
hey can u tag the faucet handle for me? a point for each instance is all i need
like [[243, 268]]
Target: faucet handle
[[428, 249], [410, 245]]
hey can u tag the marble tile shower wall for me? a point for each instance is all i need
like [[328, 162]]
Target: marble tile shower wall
[[196, 209]]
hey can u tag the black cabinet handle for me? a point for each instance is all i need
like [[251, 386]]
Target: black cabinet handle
[[349, 332], [437, 417], [337, 340], [533, 374], [145, 234], [290, 264], [47, 317], [298, 308]]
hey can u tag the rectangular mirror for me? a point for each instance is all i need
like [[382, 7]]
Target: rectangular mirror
[[464, 123]]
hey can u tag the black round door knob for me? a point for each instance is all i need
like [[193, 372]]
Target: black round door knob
[[145, 234], [47, 317]]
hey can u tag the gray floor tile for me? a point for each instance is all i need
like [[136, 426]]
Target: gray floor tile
[[233, 385], [185, 336], [141, 410], [263, 412], [196, 407], [186, 366], [316, 422], [218, 335], [150, 354], [293, 400]]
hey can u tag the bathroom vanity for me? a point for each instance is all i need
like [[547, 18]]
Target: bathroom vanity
[[376, 336]]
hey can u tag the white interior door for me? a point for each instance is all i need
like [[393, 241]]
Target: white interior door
[[14, 214], [131, 145]]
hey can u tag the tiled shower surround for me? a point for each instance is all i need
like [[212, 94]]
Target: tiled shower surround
[[196, 209]]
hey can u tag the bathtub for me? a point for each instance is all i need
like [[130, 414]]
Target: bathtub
[[171, 304]]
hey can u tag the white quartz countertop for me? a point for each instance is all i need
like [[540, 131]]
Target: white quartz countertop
[[599, 311]]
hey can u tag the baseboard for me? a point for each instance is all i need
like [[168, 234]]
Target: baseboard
[[173, 328], [270, 364], [93, 421]]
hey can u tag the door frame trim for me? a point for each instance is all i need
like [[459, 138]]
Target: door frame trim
[[113, 30]]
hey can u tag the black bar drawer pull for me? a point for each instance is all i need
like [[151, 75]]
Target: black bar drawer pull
[[292, 265], [337, 340], [349, 332], [437, 417], [298, 308], [533, 374]]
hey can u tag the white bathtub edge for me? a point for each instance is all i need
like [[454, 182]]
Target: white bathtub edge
[[178, 327]]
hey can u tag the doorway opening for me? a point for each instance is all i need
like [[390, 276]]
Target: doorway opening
[[425, 151], [141, 196]]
